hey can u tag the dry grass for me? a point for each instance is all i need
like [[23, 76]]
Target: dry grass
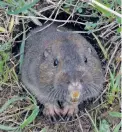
[[18, 107]]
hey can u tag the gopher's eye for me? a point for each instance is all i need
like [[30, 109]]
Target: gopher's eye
[[56, 62], [85, 59]]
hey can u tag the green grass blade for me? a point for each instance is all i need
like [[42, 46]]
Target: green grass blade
[[115, 114], [24, 8], [117, 128], [4, 4], [117, 81], [6, 105], [8, 45], [111, 78], [100, 45], [33, 99], [14, 74], [22, 51], [104, 126], [44, 130], [30, 118], [7, 128], [5, 46], [92, 121]]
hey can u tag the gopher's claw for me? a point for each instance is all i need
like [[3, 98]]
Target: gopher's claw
[[70, 109], [51, 110]]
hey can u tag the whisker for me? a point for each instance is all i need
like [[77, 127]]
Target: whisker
[[60, 94], [51, 95], [46, 97], [87, 89], [55, 94], [93, 89], [64, 94], [96, 87]]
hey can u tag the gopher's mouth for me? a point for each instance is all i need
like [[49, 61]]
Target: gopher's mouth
[[75, 96]]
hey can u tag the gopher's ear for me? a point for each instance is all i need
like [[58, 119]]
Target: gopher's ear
[[46, 53], [92, 51]]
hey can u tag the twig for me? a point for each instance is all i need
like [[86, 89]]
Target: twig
[[101, 46], [71, 15], [116, 48], [50, 19], [92, 120], [105, 8], [79, 123], [58, 5]]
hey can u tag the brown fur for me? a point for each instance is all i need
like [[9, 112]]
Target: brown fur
[[78, 64]]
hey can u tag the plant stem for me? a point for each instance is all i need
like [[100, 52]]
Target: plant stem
[[106, 8]]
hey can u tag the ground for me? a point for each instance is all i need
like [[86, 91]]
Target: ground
[[19, 110]]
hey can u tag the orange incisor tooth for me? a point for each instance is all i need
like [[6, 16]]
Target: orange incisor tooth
[[75, 94]]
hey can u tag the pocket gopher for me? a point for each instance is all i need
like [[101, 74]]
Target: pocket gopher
[[61, 67]]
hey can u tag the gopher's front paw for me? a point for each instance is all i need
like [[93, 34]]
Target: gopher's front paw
[[51, 109], [70, 109]]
